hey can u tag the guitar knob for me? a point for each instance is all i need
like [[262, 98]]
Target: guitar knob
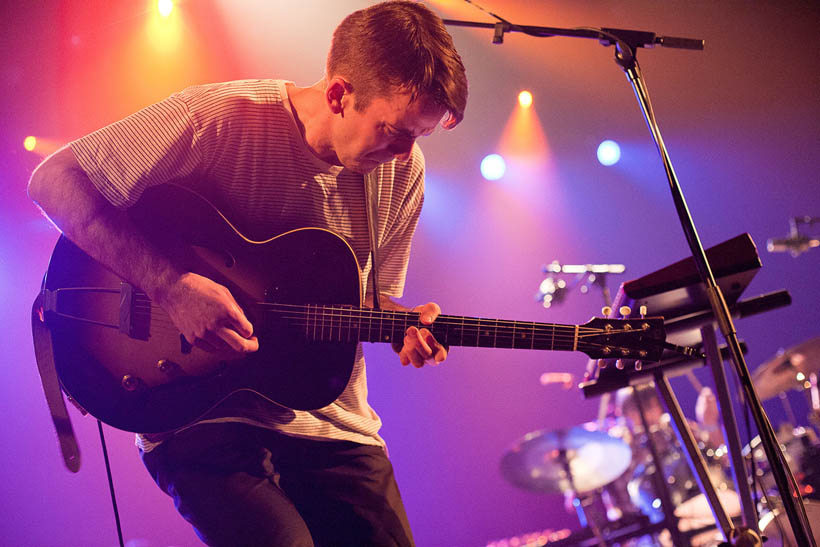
[[625, 311], [606, 311], [131, 383], [642, 311]]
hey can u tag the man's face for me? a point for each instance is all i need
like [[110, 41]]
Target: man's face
[[385, 129]]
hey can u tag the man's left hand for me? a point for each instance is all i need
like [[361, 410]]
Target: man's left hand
[[420, 346]]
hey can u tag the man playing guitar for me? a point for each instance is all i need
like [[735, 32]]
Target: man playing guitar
[[273, 157]]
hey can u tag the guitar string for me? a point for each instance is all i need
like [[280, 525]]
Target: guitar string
[[469, 330], [533, 341], [330, 314], [347, 328], [469, 327], [355, 321]]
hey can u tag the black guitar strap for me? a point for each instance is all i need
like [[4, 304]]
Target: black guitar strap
[[371, 197], [44, 355]]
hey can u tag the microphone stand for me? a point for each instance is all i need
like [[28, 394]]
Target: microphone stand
[[626, 43]]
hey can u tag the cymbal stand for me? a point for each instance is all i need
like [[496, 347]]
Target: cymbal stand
[[658, 478], [731, 435], [626, 43], [580, 501], [693, 455]]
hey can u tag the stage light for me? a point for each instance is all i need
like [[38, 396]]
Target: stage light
[[609, 152], [493, 167], [525, 99], [165, 7], [29, 143]]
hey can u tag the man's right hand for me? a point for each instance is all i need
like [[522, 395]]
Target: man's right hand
[[208, 316]]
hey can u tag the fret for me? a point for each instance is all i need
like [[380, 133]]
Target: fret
[[369, 325], [486, 335], [552, 341], [507, 338], [517, 338], [315, 321], [532, 336]]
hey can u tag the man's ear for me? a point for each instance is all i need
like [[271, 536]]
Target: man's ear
[[337, 89]]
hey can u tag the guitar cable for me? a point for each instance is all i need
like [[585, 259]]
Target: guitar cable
[[110, 483]]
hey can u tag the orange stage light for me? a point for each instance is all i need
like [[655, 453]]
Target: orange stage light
[[40, 146], [164, 7]]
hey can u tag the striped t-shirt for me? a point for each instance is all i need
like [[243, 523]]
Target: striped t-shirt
[[238, 145]]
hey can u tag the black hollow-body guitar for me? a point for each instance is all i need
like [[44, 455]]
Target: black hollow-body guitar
[[121, 359]]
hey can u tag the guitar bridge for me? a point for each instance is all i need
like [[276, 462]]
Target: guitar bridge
[[135, 312]]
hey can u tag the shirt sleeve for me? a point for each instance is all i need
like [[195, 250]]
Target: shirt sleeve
[[153, 146]]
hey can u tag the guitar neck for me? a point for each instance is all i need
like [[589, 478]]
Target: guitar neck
[[346, 324]]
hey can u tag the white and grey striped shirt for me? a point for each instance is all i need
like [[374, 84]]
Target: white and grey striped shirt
[[237, 144]]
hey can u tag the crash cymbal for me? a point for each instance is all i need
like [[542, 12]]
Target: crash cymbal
[[539, 461], [787, 370]]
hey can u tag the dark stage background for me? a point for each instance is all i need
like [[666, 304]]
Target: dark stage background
[[740, 120]]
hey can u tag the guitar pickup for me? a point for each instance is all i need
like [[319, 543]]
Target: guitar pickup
[[135, 312]]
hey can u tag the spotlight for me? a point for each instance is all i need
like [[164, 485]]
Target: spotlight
[[493, 167], [609, 153], [29, 143], [165, 7], [525, 99]]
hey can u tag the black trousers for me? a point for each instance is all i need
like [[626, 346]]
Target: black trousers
[[240, 485]]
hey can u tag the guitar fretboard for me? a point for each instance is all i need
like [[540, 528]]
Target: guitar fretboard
[[347, 324]]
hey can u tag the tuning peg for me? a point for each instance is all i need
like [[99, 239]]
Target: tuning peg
[[606, 311], [619, 364], [601, 363], [625, 311], [642, 311], [638, 365]]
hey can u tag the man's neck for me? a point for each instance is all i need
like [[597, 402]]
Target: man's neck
[[313, 119]]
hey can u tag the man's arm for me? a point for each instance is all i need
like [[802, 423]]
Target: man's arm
[[204, 311]]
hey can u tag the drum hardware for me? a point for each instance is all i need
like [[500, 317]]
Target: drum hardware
[[677, 293], [790, 369], [553, 289], [660, 484], [775, 525], [578, 462], [795, 242]]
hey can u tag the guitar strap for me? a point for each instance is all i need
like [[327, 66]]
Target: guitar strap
[[371, 196], [44, 355]]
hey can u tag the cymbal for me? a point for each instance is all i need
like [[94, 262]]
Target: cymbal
[[539, 460], [783, 371]]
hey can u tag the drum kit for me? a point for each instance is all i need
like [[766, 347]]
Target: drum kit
[[643, 474], [613, 470]]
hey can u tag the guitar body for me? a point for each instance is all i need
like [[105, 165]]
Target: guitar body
[[122, 360]]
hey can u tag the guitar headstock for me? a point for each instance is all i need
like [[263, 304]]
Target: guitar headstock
[[639, 338]]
